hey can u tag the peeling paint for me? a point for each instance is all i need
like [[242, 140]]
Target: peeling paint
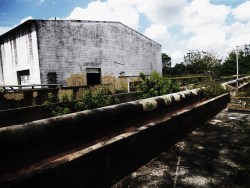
[[167, 99], [182, 95], [62, 92], [148, 104], [194, 92], [77, 80], [176, 96]]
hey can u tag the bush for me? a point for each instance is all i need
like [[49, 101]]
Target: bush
[[121, 91], [155, 85], [213, 90], [89, 100], [102, 97], [59, 107]]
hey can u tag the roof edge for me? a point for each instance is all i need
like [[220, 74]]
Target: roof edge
[[72, 20]]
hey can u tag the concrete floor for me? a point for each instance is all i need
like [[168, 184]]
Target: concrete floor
[[215, 155]]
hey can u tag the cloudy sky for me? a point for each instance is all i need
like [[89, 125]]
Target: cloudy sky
[[178, 25]]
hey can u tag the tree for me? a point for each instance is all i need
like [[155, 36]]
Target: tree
[[166, 63], [229, 65], [179, 69], [200, 62]]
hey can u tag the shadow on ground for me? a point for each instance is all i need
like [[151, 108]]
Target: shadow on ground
[[217, 154]]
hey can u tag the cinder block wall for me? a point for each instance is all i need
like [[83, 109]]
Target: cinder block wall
[[18, 52], [69, 47]]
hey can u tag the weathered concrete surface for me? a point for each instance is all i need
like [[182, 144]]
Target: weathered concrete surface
[[66, 49], [25, 98], [32, 113], [215, 155], [63, 152]]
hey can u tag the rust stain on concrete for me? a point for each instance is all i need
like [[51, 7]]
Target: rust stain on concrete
[[77, 80], [35, 94], [63, 92], [15, 96]]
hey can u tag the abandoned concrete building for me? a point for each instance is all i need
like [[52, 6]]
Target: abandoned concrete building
[[76, 53]]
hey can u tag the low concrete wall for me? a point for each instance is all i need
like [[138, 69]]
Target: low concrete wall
[[25, 98], [26, 114], [231, 85], [23, 115], [104, 162]]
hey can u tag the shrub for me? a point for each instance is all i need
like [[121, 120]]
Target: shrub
[[155, 85], [121, 91], [59, 107], [213, 89], [102, 97]]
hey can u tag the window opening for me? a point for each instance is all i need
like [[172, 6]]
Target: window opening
[[23, 77]]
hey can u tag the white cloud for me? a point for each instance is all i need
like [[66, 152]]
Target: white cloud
[[176, 56], [201, 16], [25, 19], [41, 1], [166, 12], [242, 12], [112, 10], [240, 34], [157, 32], [211, 39]]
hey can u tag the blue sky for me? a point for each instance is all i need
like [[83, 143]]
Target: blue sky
[[179, 25]]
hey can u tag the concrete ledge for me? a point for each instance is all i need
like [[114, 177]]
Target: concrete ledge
[[36, 134], [101, 164], [23, 115]]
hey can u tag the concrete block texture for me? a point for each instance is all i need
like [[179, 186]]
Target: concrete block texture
[[69, 47], [18, 52]]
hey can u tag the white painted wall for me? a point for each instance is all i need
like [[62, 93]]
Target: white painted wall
[[19, 51]]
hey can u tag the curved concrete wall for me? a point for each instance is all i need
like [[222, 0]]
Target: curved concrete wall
[[101, 164], [41, 133]]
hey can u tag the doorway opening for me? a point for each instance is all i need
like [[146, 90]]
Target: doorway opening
[[52, 78], [93, 76]]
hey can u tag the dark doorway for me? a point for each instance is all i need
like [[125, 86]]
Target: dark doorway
[[93, 76], [23, 77], [52, 78]]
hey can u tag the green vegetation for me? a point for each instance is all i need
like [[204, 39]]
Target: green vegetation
[[102, 97], [89, 100], [213, 90], [198, 62], [229, 66], [155, 85], [166, 63], [209, 63], [121, 91], [59, 107]]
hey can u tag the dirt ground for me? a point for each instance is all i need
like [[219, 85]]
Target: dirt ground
[[217, 154]]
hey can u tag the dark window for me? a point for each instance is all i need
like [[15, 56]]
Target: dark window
[[93, 76], [133, 86], [23, 77], [52, 78]]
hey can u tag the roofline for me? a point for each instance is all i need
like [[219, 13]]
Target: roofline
[[16, 28], [82, 21]]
